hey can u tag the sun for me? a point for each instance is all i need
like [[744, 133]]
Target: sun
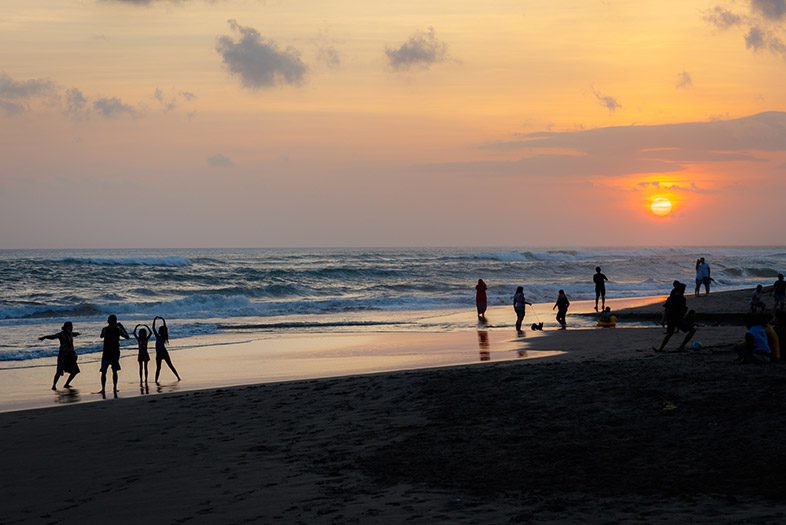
[[660, 206]]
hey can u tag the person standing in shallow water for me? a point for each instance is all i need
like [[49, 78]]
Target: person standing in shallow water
[[600, 287], [481, 300], [111, 335], [519, 306], [561, 306], [66, 356]]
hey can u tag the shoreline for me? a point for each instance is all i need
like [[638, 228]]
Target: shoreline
[[245, 357]]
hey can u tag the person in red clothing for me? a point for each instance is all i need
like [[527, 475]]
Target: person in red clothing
[[481, 301]]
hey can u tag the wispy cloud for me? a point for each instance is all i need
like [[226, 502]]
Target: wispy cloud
[[609, 102], [626, 150], [421, 50], [684, 80], [259, 63], [112, 107], [219, 160], [76, 104], [14, 94], [770, 9], [722, 18]]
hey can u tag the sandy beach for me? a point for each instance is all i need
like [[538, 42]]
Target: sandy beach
[[598, 429]]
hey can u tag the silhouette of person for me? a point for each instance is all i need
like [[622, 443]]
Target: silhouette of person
[[676, 318], [162, 354], [111, 335], [519, 306], [561, 306], [779, 293], [142, 337], [600, 287], [66, 356], [706, 275], [699, 277], [481, 300]]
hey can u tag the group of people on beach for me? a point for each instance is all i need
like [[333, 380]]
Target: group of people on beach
[[110, 356], [561, 305]]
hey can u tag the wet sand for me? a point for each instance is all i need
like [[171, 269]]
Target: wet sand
[[607, 431]]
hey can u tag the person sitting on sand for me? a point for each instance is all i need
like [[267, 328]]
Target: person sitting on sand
[[481, 301], [142, 337], [519, 306], [676, 318], [162, 354], [66, 356], [111, 335], [600, 287], [561, 306], [755, 349], [779, 293], [606, 317], [757, 303]]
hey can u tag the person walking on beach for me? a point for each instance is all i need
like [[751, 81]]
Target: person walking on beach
[[779, 293], [66, 356], [600, 287], [519, 306], [676, 319], [162, 354], [757, 300], [142, 337], [699, 278], [111, 335], [561, 306], [481, 301]]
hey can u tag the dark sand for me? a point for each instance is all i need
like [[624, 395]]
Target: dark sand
[[639, 437]]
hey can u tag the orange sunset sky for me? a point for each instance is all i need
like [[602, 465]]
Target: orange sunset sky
[[193, 123]]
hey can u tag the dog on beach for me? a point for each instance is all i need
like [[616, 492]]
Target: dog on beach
[[537, 326]]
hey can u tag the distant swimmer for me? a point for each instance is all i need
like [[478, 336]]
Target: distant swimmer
[[162, 354], [481, 300], [111, 335], [779, 293], [66, 356], [519, 306], [600, 288], [561, 306], [142, 337]]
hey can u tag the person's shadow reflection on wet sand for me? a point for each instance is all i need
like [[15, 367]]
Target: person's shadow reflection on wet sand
[[485, 346], [69, 395]]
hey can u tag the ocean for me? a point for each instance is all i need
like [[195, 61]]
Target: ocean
[[206, 291]]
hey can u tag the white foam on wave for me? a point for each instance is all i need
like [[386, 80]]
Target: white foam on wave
[[130, 261]]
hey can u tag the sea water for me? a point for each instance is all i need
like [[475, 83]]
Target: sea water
[[205, 291]]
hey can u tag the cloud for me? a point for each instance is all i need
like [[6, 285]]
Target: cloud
[[258, 62], [610, 103], [11, 108], [114, 107], [329, 56], [15, 93], [755, 38], [722, 18], [770, 9], [187, 95], [684, 80], [168, 105], [76, 104], [15, 89], [422, 50], [220, 160], [626, 150]]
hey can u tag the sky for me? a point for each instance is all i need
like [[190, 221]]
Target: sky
[[253, 123]]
